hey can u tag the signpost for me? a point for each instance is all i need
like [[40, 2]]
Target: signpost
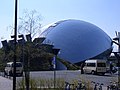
[[54, 68], [55, 52]]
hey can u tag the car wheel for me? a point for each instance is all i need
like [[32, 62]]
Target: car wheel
[[5, 73], [10, 73], [84, 71], [93, 72], [103, 73], [21, 74]]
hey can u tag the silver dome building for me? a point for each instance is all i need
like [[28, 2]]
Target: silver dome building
[[78, 40]]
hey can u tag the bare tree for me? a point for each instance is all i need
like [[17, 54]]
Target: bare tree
[[29, 23]]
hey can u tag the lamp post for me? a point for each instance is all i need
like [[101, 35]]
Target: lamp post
[[55, 52], [15, 42]]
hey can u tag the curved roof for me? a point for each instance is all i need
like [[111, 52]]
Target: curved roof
[[77, 40]]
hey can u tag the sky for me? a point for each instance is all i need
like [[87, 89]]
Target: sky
[[103, 13]]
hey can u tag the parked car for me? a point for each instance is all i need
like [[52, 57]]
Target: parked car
[[95, 66], [9, 69]]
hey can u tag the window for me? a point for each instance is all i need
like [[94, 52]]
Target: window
[[91, 64], [8, 65], [17, 65], [101, 65]]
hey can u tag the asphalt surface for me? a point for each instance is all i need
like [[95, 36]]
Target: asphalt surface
[[6, 83], [76, 75]]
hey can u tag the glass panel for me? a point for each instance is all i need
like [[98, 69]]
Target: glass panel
[[91, 64], [101, 65]]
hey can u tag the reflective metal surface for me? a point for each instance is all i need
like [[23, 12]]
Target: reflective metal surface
[[77, 40]]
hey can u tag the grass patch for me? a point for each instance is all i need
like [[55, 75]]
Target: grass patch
[[48, 84]]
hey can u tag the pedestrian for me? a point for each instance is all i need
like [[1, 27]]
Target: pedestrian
[[111, 68], [82, 66]]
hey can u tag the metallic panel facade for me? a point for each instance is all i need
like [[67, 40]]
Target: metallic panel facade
[[77, 40]]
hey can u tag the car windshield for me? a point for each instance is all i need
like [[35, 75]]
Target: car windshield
[[17, 65]]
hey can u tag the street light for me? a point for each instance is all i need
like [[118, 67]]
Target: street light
[[15, 39]]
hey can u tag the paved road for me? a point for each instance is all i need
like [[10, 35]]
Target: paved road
[[76, 75], [72, 75], [5, 83]]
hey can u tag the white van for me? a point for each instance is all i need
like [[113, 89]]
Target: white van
[[95, 67], [9, 69]]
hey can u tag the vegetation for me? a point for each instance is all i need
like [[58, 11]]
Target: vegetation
[[2, 59], [38, 57], [29, 23], [48, 84], [42, 84]]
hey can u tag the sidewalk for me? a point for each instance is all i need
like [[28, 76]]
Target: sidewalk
[[5, 83]]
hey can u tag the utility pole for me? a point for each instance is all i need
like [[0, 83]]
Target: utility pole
[[15, 42]]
